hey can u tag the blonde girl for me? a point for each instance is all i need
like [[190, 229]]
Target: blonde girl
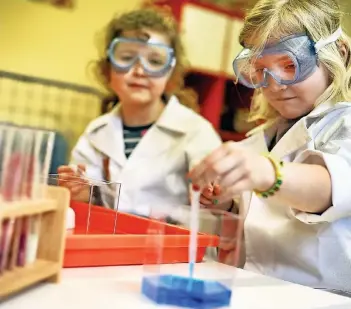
[[298, 224]]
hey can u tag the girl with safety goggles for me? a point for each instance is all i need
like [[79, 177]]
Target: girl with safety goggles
[[151, 139], [293, 172]]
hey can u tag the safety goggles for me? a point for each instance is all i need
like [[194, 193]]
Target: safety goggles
[[156, 59], [292, 60]]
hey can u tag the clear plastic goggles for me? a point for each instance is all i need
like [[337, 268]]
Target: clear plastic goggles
[[155, 58], [290, 61]]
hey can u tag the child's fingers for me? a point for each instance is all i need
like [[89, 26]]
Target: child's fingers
[[217, 190], [64, 169], [204, 169], [228, 257], [76, 189], [69, 180], [223, 198], [229, 235], [227, 243], [231, 192], [67, 176], [207, 192], [205, 201], [81, 167]]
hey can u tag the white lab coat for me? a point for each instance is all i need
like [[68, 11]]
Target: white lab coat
[[309, 249], [155, 173]]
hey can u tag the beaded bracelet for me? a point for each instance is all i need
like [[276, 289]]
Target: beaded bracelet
[[277, 165]]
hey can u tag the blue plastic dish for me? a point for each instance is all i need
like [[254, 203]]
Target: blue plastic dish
[[186, 292]]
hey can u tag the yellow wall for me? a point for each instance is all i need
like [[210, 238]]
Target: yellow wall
[[44, 41], [40, 40]]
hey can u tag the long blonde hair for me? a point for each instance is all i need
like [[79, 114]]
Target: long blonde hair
[[273, 19]]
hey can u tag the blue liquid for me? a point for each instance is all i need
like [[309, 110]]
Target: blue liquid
[[186, 292]]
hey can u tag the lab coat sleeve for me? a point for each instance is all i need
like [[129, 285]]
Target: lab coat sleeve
[[334, 152], [85, 153], [202, 142]]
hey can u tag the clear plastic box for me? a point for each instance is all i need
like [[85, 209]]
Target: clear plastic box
[[91, 192], [201, 288]]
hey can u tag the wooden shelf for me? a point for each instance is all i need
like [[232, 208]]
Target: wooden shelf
[[19, 278], [26, 208]]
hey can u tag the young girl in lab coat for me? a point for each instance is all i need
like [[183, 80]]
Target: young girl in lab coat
[[151, 139], [298, 222]]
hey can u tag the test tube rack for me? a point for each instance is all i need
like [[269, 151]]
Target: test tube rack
[[49, 259]]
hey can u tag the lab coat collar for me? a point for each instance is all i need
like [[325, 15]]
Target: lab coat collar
[[174, 114], [175, 121], [298, 135], [106, 135], [171, 117]]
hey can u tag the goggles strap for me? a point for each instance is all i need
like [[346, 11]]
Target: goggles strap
[[332, 38]]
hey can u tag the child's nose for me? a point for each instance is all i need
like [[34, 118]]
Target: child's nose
[[273, 85], [138, 69]]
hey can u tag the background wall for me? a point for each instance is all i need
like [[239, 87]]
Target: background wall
[[346, 9], [43, 41], [40, 40]]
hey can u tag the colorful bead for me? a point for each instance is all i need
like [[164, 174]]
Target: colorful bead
[[278, 178]]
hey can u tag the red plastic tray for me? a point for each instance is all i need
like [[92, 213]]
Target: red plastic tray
[[100, 247]]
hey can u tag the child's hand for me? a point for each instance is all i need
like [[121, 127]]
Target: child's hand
[[236, 170], [72, 179], [210, 197]]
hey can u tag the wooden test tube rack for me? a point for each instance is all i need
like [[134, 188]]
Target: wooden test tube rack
[[49, 259]]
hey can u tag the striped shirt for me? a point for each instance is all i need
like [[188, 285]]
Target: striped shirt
[[132, 136]]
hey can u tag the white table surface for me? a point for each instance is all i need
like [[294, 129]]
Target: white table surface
[[119, 288]]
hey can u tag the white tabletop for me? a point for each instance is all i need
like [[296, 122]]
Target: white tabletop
[[119, 287]]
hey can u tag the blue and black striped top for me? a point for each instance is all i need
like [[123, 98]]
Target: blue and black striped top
[[132, 136]]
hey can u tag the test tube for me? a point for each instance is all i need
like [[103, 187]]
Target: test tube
[[44, 143], [12, 169]]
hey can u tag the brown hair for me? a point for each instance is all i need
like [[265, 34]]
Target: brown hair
[[154, 18]]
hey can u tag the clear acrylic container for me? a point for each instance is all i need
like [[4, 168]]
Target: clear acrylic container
[[91, 193], [217, 256]]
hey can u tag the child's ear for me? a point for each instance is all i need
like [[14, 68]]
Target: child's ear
[[344, 52]]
